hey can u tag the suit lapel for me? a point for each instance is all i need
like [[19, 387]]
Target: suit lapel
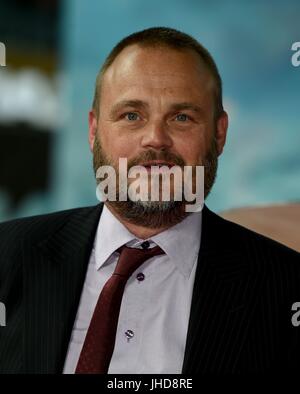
[[53, 278], [224, 296]]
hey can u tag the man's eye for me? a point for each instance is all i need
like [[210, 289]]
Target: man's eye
[[131, 116], [182, 117]]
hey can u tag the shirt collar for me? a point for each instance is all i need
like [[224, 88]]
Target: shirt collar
[[111, 235], [180, 242]]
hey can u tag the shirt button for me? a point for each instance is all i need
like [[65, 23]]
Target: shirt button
[[145, 245], [140, 276], [129, 334]]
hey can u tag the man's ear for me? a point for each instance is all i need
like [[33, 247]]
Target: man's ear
[[92, 128], [221, 132]]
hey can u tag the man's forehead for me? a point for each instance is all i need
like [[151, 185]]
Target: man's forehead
[[156, 63]]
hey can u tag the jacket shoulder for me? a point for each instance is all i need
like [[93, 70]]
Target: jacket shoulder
[[252, 241], [35, 227]]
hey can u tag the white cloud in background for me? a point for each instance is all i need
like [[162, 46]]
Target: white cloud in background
[[28, 96]]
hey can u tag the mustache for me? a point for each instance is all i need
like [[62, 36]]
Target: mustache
[[150, 155]]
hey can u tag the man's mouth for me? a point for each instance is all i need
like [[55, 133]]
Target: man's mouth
[[156, 163]]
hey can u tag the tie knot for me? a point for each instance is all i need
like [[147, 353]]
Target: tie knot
[[132, 258]]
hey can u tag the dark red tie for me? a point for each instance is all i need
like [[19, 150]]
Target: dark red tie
[[99, 342]]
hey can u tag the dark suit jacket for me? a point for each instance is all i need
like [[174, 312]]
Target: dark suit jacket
[[240, 320]]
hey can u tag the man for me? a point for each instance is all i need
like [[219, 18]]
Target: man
[[209, 296]]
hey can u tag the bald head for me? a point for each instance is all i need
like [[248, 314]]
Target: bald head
[[165, 40]]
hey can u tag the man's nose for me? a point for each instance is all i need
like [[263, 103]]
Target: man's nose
[[157, 136]]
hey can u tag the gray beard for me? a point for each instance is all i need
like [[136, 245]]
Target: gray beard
[[156, 214], [151, 214]]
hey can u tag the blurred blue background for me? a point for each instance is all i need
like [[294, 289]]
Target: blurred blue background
[[251, 43]]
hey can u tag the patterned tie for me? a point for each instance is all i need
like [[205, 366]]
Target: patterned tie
[[99, 342]]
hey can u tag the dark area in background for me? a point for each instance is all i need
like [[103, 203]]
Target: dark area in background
[[24, 161], [29, 25], [29, 30]]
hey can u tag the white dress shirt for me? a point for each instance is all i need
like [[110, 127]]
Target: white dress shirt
[[155, 309]]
